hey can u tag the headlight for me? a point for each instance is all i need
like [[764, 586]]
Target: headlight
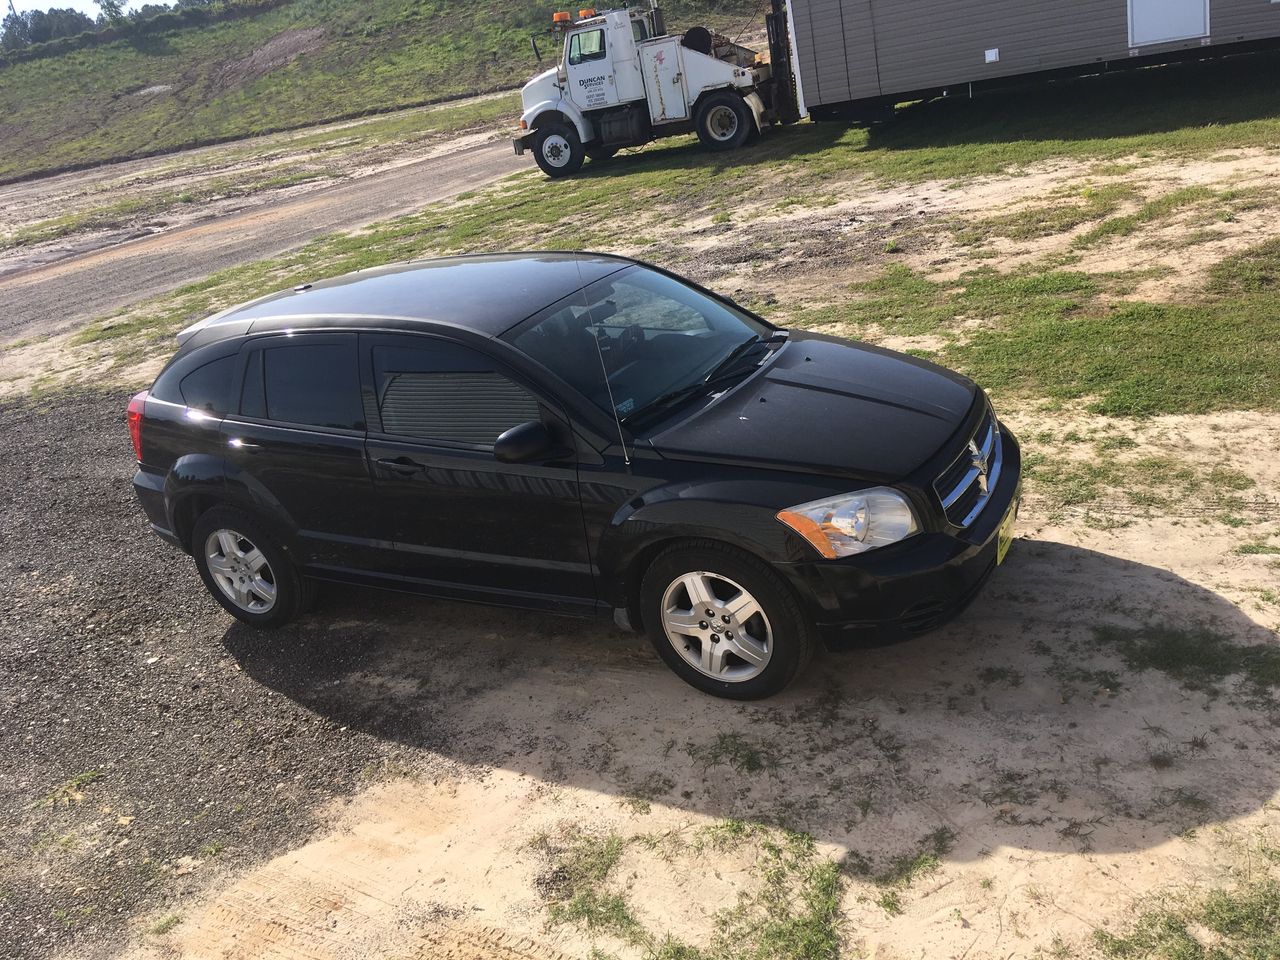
[[853, 523]]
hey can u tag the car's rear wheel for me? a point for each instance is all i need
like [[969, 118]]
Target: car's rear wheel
[[246, 570], [723, 621]]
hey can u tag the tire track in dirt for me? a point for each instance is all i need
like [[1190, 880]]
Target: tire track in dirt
[[65, 294]]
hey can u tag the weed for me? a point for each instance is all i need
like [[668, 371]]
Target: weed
[[1006, 675], [165, 924], [1198, 659], [903, 870], [736, 751], [69, 792], [1244, 922]]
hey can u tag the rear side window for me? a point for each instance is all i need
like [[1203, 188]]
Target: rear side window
[[446, 392], [316, 384], [208, 388]]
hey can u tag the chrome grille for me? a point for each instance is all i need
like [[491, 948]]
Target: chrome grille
[[967, 484]]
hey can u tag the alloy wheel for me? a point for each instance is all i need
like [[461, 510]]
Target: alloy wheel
[[717, 626], [240, 570]]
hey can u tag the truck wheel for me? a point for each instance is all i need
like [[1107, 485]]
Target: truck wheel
[[724, 621], [724, 121], [601, 154], [558, 150]]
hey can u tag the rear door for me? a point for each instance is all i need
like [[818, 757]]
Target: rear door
[[664, 80], [296, 445], [460, 520]]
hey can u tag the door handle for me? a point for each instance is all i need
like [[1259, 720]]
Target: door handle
[[403, 466]]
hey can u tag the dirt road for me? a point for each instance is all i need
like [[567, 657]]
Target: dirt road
[[63, 295]]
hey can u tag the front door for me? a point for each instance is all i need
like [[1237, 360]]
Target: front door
[[590, 72], [1164, 21], [460, 521]]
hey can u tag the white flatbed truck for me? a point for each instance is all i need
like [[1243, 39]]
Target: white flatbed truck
[[623, 81]]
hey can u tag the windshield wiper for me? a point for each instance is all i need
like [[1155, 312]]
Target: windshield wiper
[[733, 356], [720, 372]]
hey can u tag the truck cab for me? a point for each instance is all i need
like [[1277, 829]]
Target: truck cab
[[622, 81]]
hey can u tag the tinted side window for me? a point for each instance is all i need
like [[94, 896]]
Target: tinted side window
[[316, 384], [208, 388], [446, 392]]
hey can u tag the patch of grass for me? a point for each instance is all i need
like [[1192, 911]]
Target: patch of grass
[[70, 791], [165, 924], [904, 870], [1005, 675], [1075, 207], [1243, 922], [1159, 208], [793, 914], [89, 105], [1258, 548], [736, 751], [578, 867], [1197, 659]]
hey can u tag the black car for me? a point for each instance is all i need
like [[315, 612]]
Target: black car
[[582, 434]]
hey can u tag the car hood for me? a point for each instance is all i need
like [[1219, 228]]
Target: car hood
[[825, 405]]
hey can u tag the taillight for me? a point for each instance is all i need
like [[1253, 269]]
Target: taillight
[[134, 417]]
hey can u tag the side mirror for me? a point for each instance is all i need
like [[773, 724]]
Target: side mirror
[[527, 443]]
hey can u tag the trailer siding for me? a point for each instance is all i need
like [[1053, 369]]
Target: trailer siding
[[858, 49]]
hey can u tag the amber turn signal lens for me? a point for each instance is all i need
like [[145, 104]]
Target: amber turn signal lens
[[810, 530]]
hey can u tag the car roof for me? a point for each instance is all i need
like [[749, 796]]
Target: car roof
[[487, 293]]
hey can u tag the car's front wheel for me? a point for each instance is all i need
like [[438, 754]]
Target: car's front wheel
[[723, 621], [246, 570]]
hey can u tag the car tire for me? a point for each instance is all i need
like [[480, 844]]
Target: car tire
[[724, 121], [601, 154], [238, 560], [557, 150], [740, 659]]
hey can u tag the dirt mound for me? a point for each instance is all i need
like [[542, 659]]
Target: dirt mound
[[275, 53]]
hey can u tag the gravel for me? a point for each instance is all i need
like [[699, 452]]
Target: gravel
[[146, 741]]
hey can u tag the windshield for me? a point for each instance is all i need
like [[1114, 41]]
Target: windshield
[[656, 337]]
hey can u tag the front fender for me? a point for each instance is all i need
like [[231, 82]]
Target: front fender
[[563, 106], [740, 514]]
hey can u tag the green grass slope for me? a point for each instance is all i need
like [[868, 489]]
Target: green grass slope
[[304, 62]]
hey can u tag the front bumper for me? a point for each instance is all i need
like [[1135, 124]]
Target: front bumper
[[911, 588]]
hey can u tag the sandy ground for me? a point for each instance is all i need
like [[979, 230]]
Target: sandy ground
[[1075, 786], [1062, 818]]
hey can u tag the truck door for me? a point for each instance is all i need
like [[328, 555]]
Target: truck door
[[664, 80], [591, 83]]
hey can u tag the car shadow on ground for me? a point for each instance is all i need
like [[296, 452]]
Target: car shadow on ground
[[1024, 724]]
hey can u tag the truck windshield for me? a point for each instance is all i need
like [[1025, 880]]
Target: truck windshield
[[656, 338]]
